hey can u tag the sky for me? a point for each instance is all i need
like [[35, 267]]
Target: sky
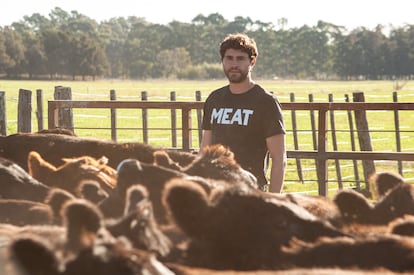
[[350, 13]]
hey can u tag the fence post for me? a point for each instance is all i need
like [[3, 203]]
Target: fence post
[[65, 115], [364, 137], [295, 138], [335, 143], [322, 161], [144, 97], [3, 126], [24, 116], [199, 119], [173, 122], [39, 110], [112, 96], [353, 146], [397, 132]]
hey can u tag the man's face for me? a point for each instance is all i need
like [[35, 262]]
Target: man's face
[[237, 65]]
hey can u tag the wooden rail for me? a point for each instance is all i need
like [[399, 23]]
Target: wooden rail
[[321, 154]]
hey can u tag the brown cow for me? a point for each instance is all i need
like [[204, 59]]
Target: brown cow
[[139, 225], [396, 203], [153, 177], [92, 252], [238, 228], [384, 182], [55, 147], [70, 175], [393, 253], [214, 162]]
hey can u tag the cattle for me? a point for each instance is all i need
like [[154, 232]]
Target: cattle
[[320, 206], [84, 225], [54, 147], [70, 175], [91, 253], [396, 203], [56, 199], [353, 206], [214, 162], [384, 182], [16, 183], [153, 177], [139, 225], [394, 253], [135, 195], [24, 212], [403, 226], [238, 228], [33, 255], [91, 190]]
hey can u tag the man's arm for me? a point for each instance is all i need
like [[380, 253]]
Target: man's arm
[[207, 139], [277, 150]]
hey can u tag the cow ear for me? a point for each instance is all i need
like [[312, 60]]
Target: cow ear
[[103, 160], [188, 206], [37, 165], [34, 255]]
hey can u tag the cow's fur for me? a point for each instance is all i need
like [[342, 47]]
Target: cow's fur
[[353, 206], [382, 252], [214, 162], [70, 175], [24, 212], [56, 199], [153, 177], [238, 228], [384, 182], [139, 225], [55, 147], [91, 190], [396, 203], [16, 183]]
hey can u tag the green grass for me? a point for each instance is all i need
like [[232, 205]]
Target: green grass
[[96, 122]]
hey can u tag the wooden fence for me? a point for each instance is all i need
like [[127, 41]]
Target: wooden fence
[[60, 115]]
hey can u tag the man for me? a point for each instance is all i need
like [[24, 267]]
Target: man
[[245, 117]]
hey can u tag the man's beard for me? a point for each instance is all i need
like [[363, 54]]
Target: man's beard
[[236, 78]]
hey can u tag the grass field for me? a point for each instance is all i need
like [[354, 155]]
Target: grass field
[[95, 123]]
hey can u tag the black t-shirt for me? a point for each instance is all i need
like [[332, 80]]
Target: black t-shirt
[[242, 122]]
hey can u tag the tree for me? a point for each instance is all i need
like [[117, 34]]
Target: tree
[[5, 60], [173, 61], [15, 50], [55, 43]]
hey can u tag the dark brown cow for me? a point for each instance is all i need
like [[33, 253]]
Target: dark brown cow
[[91, 190], [353, 206], [91, 251], [24, 212], [153, 177], [56, 199], [214, 162], [54, 147], [385, 181], [393, 253], [396, 203], [70, 175], [238, 228], [139, 225], [16, 183]]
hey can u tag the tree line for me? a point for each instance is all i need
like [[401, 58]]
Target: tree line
[[70, 44]]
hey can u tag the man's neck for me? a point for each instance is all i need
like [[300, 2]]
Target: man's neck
[[242, 87]]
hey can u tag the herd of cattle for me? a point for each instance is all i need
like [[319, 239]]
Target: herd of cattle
[[71, 205]]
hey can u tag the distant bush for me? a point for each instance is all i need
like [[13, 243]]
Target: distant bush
[[203, 71]]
